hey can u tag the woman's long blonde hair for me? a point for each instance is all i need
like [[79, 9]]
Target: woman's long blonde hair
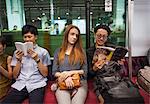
[[77, 54]]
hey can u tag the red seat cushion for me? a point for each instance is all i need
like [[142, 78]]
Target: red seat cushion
[[91, 97]]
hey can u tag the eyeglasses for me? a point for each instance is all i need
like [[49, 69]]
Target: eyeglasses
[[101, 36]]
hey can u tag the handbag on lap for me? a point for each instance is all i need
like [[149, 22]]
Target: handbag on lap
[[76, 81]]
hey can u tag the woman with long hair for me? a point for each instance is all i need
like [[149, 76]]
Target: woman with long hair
[[70, 59]]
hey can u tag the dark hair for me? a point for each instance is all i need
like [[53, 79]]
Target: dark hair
[[29, 28], [2, 40], [105, 27]]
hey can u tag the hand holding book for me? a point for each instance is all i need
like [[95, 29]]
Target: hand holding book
[[33, 54], [24, 46], [103, 55], [118, 52]]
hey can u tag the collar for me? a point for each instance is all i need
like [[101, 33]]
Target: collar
[[35, 46]]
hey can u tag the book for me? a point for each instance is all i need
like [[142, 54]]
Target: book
[[117, 53], [24, 46], [108, 48]]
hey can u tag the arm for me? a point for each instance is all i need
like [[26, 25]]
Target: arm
[[65, 74], [41, 67], [16, 69], [6, 73], [101, 99], [98, 65], [76, 72], [68, 73], [82, 71], [90, 53], [84, 68]]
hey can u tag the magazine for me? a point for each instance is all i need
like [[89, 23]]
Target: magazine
[[24, 46], [118, 52]]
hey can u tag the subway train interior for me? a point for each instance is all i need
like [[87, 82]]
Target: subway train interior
[[128, 20]]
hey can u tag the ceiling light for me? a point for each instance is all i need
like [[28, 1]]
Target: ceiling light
[[43, 14], [33, 20], [40, 8], [79, 17], [38, 18], [58, 17], [67, 13]]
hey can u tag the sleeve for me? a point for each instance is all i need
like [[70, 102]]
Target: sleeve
[[46, 58], [14, 60], [90, 54], [55, 67], [95, 59], [84, 67]]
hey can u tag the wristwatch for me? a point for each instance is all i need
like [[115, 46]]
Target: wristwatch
[[19, 60], [38, 60]]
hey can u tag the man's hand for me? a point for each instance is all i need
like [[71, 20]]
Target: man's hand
[[19, 55], [99, 64], [63, 76], [101, 99], [33, 54], [121, 62]]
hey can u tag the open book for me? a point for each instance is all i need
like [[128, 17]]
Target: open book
[[118, 53], [24, 46]]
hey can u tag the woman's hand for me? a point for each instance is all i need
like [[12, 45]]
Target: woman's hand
[[19, 55], [63, 76], [69, 83]]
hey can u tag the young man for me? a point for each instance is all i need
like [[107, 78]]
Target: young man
[[101, 34], [30, 71], [108, 76]]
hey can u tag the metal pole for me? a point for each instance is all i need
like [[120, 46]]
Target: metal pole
[[130, 16], [1, 25], [87, 24], [52, 12]]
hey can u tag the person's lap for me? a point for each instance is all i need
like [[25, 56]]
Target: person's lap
[[15, 96], [64, 96]]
